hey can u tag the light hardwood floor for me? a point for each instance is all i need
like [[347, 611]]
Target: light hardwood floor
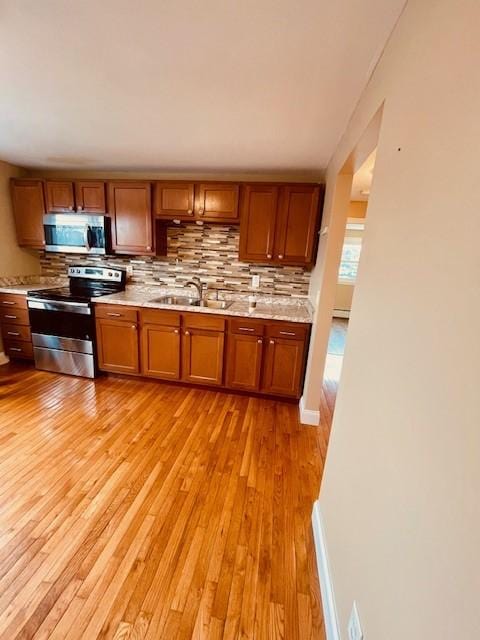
[[132, 509]]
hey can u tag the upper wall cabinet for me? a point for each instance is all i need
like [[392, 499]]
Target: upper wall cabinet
[[90, 196], [60, 196], [130, 207], [83, 196], [279, 224], [174, 200], [217, 202], [28, 209]]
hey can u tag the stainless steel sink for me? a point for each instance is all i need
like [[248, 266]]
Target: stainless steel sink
[[179, 301], [216, 304]]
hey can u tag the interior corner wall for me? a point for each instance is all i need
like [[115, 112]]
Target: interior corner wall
[[399, 494]]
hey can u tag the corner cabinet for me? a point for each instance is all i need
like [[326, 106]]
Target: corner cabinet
[[279, 224], [28, 208], [130, 208]]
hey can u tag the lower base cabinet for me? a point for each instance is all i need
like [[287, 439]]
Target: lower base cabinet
[[15, 326], [117, 346], [251, 355]]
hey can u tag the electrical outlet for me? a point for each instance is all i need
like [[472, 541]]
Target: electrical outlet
[[354, 628], [255, 282]]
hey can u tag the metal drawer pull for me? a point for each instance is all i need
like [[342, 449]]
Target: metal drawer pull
[[272, 341], [10, 317], [12, 333], [246, 329], [114, 315], [8, 302], [15, 349], [287, 333], [259, 341]]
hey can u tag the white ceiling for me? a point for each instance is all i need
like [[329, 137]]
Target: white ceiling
[[184, 84]]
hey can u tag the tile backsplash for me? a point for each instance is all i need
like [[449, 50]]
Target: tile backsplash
[[209, 252]]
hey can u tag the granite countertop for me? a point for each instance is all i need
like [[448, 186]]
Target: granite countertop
[[268, 307], [20, 286]]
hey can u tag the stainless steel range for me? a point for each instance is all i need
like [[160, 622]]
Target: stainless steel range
[[62, 320]]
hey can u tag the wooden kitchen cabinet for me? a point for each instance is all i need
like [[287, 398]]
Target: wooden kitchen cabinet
[[15, 325], [117, 345], [217, 202], [257, 222], [283, 366], [28, 210], [279, 224], [161, 351], [297, 225], [60, 196], [203, 356], [130, 207], [244, 362], [90, 197], [174, 200]]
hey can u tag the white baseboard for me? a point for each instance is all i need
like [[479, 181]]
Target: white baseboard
[[341, 313], [3, 358], [326, 585], [308, 416]]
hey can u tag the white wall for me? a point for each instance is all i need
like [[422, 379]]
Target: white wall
[[400, 493]]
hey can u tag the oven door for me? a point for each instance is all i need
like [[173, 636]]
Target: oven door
[[63, 336], [75, 233]]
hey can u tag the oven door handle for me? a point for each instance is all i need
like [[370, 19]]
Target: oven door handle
[[56, 305], [86, 236]]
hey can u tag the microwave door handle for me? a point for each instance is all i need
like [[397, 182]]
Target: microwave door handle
[[86, 235]]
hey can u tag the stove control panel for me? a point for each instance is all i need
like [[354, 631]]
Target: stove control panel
[[102, 274]]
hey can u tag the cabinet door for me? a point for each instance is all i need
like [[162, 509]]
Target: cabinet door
[[90, 196], [117, 346], [257, 222], [173, 200], [28, 209], [203, 356], [244, 362], [217, 202], [161, 351], [132, 226], [297, 225], [283, 366], [60, 196]]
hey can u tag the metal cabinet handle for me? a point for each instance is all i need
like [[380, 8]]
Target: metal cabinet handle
[[149, 248], [10, 317], [187, 333], [79, 208], [114, 315], [269, 256], [272, 341], [280, 255], [134, 326], [15, 349], [190, 211], [259, 341], [287, 333], [8, 302], [12, 333], [175, 331], [245, 329], [70, 208], [200, 211]]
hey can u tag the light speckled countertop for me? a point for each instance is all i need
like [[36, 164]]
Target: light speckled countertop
[[22, 287], [285, 308]]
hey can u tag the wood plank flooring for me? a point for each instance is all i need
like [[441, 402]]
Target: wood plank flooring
[[132, 509]]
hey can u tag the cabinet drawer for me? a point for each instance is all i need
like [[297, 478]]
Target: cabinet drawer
[[284, 330], [13, 301], [15, 349], [14, 316], [16, 332], [247, 327], [115, 312], [158, 316], [203, 321]]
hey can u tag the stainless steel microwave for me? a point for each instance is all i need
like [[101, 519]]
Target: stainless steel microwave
[[76, 233]]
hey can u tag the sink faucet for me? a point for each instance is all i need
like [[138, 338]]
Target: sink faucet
[[195, 282]]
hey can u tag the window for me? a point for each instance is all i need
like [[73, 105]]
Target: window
[[352, 247]]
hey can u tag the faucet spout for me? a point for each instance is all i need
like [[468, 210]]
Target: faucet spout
[[195, 282]]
